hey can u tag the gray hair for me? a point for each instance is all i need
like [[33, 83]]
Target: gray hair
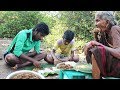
[[107, 15]]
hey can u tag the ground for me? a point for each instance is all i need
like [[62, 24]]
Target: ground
[[4, 69]]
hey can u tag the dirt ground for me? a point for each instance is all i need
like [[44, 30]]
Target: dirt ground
[[4, 69]]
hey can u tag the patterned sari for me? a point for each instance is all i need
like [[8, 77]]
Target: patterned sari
[[107, 63]]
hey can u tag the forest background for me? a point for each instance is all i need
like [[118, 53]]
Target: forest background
[[80, 22]]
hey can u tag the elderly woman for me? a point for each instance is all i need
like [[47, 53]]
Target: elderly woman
[[104, 51]]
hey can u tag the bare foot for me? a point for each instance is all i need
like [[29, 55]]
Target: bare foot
[[15, 67]]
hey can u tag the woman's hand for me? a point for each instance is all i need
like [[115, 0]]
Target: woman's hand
[[90, 44], [95, 43], [96, 30], [87, 46]]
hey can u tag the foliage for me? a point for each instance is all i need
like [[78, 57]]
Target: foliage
[[15, 21], [80, 22], [56, 33], [117, 14]]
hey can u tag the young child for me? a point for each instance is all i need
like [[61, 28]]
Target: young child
[[63, 49]]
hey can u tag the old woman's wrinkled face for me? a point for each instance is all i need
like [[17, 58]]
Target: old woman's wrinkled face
[[101, 23]]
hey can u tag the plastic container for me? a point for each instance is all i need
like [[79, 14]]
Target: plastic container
[[72, 74]]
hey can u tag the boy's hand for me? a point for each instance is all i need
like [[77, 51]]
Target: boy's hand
[[56, 61], [36, 64]]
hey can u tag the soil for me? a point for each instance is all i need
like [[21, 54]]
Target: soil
[[4, 69]]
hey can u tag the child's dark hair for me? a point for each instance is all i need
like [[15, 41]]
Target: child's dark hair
[[42, 27], [68, 35]]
